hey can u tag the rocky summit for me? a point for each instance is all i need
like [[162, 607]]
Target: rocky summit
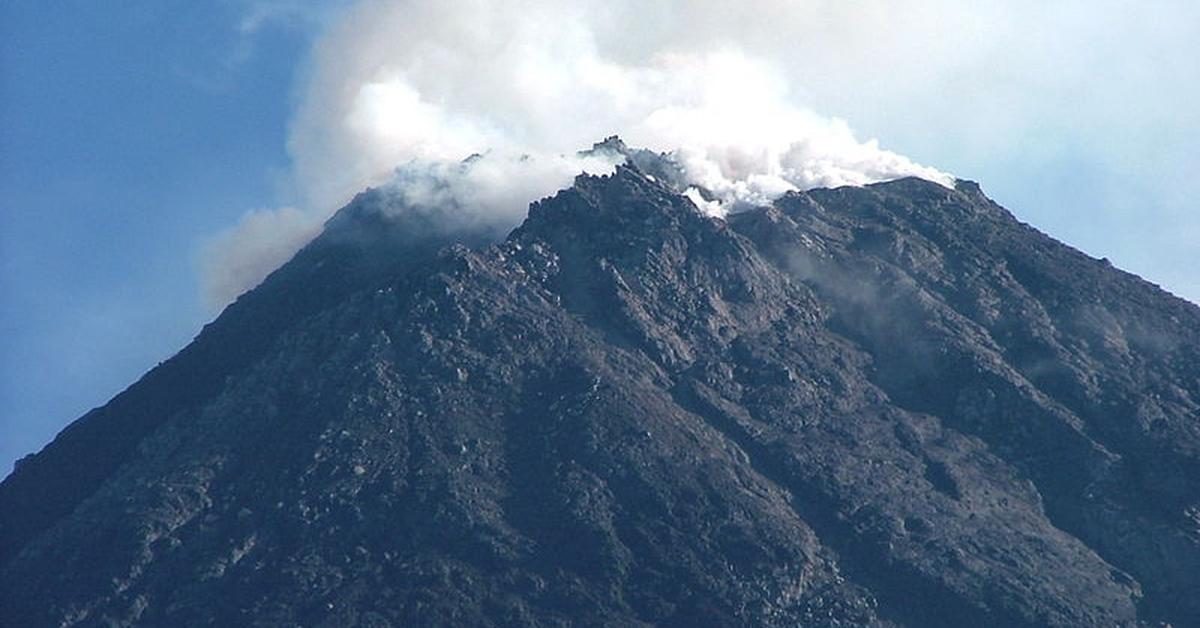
[[891, 405]]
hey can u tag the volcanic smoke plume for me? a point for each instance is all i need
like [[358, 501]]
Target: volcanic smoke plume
[[402, 91]]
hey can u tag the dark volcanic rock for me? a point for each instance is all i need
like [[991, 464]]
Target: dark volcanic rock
[[891, 406]]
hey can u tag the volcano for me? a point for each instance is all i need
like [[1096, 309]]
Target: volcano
[[890, 405]]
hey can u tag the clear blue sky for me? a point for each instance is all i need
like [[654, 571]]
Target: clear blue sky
[[132, 132]]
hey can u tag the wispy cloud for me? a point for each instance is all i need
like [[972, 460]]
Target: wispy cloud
[[259, 14], [243, 255]]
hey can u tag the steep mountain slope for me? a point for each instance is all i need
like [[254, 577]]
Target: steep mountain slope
[[892, 406]]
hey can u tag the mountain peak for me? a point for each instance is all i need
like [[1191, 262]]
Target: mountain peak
[[612, 144], [626, 212]]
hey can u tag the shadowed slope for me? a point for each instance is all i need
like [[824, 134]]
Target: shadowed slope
[[891, 405]]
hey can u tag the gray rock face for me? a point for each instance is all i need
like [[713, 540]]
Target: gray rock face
[[883, 406]]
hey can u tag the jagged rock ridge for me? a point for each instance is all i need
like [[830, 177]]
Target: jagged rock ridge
[[892, 406]]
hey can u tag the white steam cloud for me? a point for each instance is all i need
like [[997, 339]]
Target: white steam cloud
[[421, 85], [397, 81]]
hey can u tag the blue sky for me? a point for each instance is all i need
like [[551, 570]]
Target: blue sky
[[131, 133]]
